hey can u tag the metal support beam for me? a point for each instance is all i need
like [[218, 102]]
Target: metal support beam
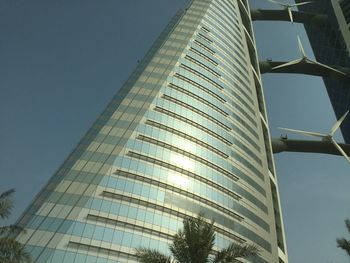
[[286, 145], [318, 20]]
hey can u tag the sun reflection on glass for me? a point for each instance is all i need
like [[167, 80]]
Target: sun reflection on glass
[[182, 162], [185, 145], [179, 180]]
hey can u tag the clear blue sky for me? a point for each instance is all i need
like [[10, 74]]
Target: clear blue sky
[[61, 62]]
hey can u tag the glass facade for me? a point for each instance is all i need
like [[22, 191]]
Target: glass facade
[[187, 133]]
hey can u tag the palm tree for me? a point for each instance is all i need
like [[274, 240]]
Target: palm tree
[[342, 242], [10, 250], [194, 244]]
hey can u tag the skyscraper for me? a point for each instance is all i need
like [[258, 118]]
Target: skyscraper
[[187, 133], [331, 45]]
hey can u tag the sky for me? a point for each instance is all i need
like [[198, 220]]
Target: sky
[[62, 61]]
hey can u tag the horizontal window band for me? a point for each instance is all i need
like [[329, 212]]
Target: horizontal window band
[[204, 47], [248, 139], [176, 168], [205, 29], [205, 38], [214, 120], [166, 210], [249, 166], [231, 68], [237, 107], [230, 7], [213, 14], [244, 212], [200, 64], [186, 136], [228, 12], [97, 249], [232, 35], [215, 167], [199, 86], [215, 135], [224, 56], [235, 74], [188, 154], [246, 114], [203, 144], [197, 52], [237, 39], [108, 251], [183, 204], [204, 101], [182, 192], [115, 222], [248, 127], [217, 35], [202, 76], [231, 93], [199, 112], [221, 187], [247, 151], [198, 126]]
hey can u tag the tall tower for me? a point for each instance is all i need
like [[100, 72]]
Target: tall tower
[[331, 45], [187, 133]]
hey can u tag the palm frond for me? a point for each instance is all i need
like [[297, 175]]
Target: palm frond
[[10, 230], [146, 255], [7, 194], [194, 243], [347, 224], [344, 244], [200, 237], [235, 251], [179, 248], [13, 251], [6, 203]]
